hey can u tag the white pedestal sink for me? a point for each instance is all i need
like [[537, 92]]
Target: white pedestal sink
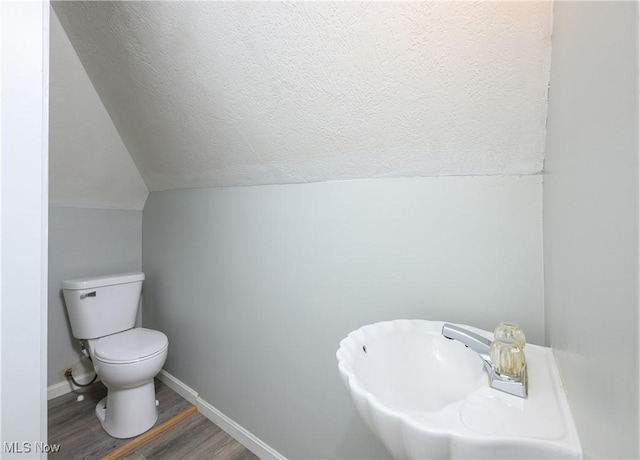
[[427, 397]]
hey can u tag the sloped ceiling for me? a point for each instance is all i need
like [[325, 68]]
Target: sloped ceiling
[[242, 93], [89, 165]]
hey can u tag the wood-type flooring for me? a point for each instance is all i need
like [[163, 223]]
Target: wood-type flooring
[[74, 426]]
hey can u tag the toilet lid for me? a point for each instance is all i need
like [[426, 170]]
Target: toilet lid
[[130, 346]]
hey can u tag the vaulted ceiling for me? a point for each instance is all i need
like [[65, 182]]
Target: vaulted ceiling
[[89, 165], [246, 93]]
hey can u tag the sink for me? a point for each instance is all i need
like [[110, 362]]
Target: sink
[[427, 397]]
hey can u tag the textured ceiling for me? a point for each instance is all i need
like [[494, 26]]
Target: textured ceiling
[[241, 93]]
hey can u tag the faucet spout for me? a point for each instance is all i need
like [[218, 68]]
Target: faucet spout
[[472, 340]]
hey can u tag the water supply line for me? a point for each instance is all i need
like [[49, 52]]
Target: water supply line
[[69, 372]]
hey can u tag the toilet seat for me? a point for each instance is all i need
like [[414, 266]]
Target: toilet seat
[[130, 346]]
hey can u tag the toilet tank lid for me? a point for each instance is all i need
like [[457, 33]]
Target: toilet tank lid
[[101, 281]]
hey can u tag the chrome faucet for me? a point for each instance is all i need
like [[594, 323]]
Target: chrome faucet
[[517, 386]]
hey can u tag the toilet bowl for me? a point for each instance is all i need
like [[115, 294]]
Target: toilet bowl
[[127, 362], [102, 312]]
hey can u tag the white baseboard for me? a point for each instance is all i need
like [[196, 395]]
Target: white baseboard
[[62, 388], [176, 385], [241, 434]]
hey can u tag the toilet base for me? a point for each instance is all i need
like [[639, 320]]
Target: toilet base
[[128, 412]]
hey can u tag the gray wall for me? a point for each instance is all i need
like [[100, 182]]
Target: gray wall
[[85, 242], [256, 286], [591, 220]]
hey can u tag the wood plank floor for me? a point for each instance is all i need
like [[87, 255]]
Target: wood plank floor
[[74, 426]]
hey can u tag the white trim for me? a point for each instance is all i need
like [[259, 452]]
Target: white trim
[[239, 433], [1, 240], [176, 385], [24, 150], [62, 388], [44, 235]]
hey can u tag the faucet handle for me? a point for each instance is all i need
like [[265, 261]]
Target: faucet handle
[[507, 350]]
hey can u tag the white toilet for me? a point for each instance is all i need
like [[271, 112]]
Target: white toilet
[[102, 311]]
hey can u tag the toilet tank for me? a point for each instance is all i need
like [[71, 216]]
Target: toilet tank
[[102, 305]]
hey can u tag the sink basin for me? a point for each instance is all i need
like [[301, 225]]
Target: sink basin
[[429, 397]]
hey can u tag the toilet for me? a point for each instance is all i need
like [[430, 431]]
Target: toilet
[[102, 311]]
